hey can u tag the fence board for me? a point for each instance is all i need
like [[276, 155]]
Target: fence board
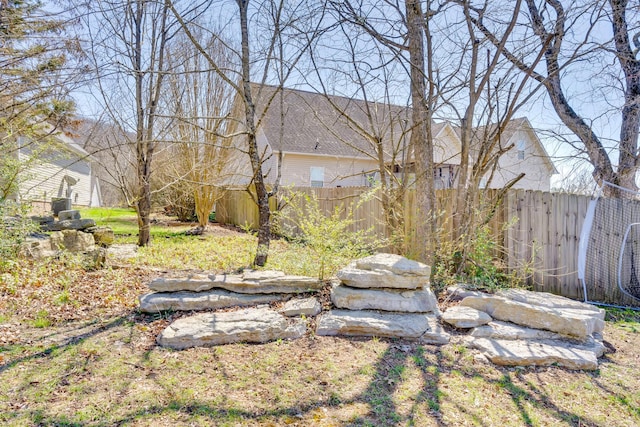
[[530, 226]]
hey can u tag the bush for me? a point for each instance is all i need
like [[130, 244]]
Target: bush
[[328, 236], [15, 227], [476, 265]]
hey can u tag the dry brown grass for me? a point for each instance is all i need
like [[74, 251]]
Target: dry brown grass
[[74, 352]]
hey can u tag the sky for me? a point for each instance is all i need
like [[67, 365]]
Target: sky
[[590, 83]]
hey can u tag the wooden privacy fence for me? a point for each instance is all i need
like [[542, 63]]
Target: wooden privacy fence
[[536, 229]]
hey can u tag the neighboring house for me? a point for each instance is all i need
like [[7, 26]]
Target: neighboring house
[[59, 168], [527, 156], [321, 141]]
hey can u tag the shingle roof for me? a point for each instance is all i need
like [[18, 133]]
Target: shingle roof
[[314, 123]]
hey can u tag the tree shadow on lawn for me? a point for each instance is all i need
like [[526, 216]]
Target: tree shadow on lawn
[[435, 365], [60, 340]]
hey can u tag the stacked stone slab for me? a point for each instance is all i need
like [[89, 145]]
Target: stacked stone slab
[[519, 327], [211, 292], [69, 232], [384, 295]]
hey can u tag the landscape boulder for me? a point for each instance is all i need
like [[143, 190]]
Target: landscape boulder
[[393, 263], [103, 236], [38, 247], [251, 283], [301, 307], [537, 353], [253, 325], [72, 240], [368, 279], [465, 317], [208, 300], [385, 271], [372, 324], [568, 321], [70, 224], [68, 214], [410, 301]]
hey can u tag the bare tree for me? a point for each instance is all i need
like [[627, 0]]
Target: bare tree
[[284, 33], [128, 49], [566, 36], [409, 36], [200, 102]]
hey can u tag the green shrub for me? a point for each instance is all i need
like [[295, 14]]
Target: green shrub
[[477, 265], [327, 235]]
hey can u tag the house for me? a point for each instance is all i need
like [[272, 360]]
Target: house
[[58, 168], [321, 141], [527, 156]]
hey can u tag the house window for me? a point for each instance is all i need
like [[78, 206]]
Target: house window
[[317, 176], [520, 147]]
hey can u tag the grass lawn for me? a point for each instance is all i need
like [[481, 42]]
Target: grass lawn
[[75, 352]]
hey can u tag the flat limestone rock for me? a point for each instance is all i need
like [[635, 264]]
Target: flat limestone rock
[[510, 331], [577, 323], [458, 292], [436, 333], [265, 284], [299, 307], [372, 324], [396, 264], [545, 299], [368, 279], [409, 301], [38, 248], [536, 353], [465, 317], [104, 236], [256, 325], [69, 214], [194, 301], [193, 283], [73, 224]]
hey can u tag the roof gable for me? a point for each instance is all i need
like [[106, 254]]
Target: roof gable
[[523, 123], [312, 123]]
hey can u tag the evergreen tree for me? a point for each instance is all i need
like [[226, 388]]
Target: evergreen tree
[[37, 70]]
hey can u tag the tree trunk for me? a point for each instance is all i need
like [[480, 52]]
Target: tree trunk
[[143, 208], [420, 140], [628, 162], [262, 195]]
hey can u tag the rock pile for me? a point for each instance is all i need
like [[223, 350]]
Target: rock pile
[[66, 220], [519, 327], [68, 232], [210, 292], [384, 295]]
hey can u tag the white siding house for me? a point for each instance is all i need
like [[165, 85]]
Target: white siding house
[[58, 169], [320, 141], [527, 156]]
